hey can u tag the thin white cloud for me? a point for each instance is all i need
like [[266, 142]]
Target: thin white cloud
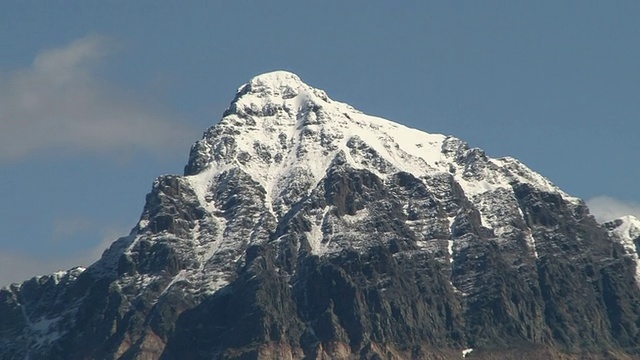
[[59, 104], [605, 208]]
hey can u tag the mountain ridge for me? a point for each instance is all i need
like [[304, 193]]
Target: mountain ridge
[[304, 228]]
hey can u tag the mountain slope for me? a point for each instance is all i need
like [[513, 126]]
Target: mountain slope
[[305, 228]]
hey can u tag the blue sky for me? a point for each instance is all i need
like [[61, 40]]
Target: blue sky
[[99, 98]]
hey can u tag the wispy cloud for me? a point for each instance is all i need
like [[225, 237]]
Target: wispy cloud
[[605, 208], [60, 104]]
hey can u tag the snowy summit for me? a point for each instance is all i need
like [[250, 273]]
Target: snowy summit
[[285, 133]]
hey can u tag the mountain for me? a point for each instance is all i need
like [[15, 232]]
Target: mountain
[[303, 228]]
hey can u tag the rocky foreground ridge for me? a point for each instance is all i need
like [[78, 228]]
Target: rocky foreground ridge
[[303, 228]]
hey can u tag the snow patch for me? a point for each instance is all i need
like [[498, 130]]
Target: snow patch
[[143, 224], [450, 250], [316, 235], [532, 244], [627, 229]]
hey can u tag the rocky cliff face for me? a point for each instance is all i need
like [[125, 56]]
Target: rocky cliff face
[[303, 228]]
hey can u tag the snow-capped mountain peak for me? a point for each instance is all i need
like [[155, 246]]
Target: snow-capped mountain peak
[[283, 132], [303, 228], [277, 84]]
